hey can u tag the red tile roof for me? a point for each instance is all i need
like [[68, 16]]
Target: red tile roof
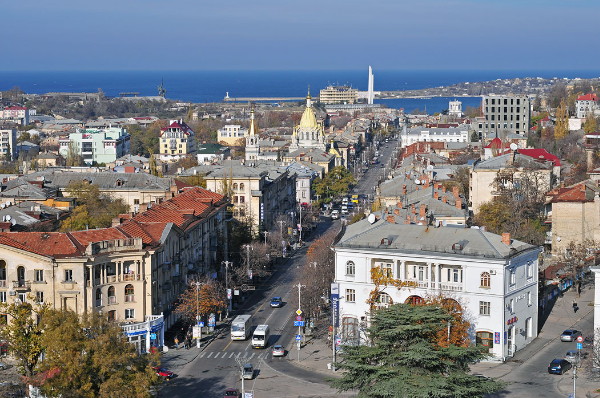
[[15, 108], [576, 193], [587, 97], [540, 154], [495, 143]]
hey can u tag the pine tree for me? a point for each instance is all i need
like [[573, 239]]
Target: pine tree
[[405, 359]]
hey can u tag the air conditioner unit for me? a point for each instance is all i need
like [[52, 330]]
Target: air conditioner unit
[[12, 293], [492, 272]]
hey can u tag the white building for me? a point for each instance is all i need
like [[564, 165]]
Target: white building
[[421, 134], [493, 278], [586, 104], [8, 142], [231, 134], [455, 108]]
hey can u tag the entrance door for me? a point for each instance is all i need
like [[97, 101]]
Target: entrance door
[[511, 340]]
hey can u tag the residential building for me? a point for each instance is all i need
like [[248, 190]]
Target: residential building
[[212, 153], [176, 141], [338, 95], [587, 105], [231, 134], [420, 134], [97, 146], [133, 272], [8, 142], [491, 278], [16, 114], [505, 114]]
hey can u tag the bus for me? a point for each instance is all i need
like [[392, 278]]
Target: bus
[[260, 338], [241, 327]]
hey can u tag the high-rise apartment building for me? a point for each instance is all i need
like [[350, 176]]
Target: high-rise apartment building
[[505, 114]]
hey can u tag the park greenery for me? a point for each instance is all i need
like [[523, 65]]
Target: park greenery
[[337, 182], [404, 358], [94, 209], [66, 355]]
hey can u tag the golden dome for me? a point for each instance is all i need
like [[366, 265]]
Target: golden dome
[[309, 119]]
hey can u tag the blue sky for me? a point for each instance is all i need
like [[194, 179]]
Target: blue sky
[[309, 34]]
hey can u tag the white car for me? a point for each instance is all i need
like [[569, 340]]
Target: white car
[[335, 214]]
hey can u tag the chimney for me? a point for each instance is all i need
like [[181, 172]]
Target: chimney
[[399, 205], [422, 210], [506, 238], [458, 204], [445, 199], [436, 195], [397, 211], [443, 189], [404, 189], [143, 207], [391, 219], [455, 192]]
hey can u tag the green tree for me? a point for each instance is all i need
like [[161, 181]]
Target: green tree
[[337, 182], [404, 358], [90, 357], [73, 157], [23, 334]]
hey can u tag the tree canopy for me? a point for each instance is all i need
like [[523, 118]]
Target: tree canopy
[[404, 358], [208, 296], [337, 182]]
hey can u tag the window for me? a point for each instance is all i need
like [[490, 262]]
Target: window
[[484, 308], [68, 275], [529, 327], [454, 275], [384, 300], [38, 275], [350, 295], [485, 339], [129, 291], [511, 306], [22, 297], [136, 201], [513, 276], [529, 298], [129, 313], [112, 298], [2, 297], [98, 297], [112, 315], [242, 199], [241, 186], [530, 269], [235, 186], [485, 279], [39, 297], [350, 268]]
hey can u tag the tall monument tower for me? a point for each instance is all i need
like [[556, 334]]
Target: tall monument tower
[[370, 94]]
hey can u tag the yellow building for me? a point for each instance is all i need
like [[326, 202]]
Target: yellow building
[[176, 141]]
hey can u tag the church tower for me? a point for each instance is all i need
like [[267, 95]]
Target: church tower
[[309, 133], [252, 145]]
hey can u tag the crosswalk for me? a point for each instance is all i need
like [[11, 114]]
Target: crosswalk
[[248, 355]]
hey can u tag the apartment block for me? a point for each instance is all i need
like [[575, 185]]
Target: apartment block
[[504, 115]]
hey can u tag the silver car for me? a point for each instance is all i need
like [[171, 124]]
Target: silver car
[[570, 335], [248, 372]]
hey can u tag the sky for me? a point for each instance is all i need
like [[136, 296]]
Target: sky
[[299, 35]]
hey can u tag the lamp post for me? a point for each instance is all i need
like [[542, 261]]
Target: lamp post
[[299, 312], [227, 263], [198, 314]]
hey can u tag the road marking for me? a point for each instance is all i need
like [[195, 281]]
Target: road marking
[[209, 355], [202, 355], [231, 354], [238, 355], [216, 355], [251, 356]]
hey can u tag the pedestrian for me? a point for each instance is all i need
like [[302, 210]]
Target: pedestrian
[[176, 343]]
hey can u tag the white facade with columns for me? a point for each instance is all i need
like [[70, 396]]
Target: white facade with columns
[[494, 283]]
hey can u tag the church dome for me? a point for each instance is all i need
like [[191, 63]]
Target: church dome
[[308, 120]]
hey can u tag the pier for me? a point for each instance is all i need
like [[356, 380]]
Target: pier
[[258, 99]]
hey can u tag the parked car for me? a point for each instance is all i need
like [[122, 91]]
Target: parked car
[[162, 372], [559, 366], [278, 351], [572, 356], [248, 372], [232, 393], [570, 335], [276, 302], [335, 214]]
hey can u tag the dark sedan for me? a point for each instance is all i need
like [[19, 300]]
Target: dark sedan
[[559, 366]]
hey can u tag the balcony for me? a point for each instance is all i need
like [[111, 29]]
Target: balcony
[[452, 287], [129, 298], [2, 283], [22, 285], [131, 277], [112, 300], [111, 278]]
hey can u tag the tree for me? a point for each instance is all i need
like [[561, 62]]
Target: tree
[[23, 334], [405, 360], [73, 157], [89, 356], [561, 128], [202, 299], [590, 126], [338, 181]]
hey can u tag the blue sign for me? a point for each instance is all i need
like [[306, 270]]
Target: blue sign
[[212, 324], [152, 336], [335, 307], [298, 337], [201, 324], [579, 346], [298, 323]]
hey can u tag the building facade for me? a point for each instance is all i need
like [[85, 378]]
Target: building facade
[[8, 142], [587, 105], [309, 133], [97, 146], [231, 134], [419, 134], [176, 141], [505, 114], [338, 95], [492, 278]]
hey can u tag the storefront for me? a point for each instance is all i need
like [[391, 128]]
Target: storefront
[[144, 335]]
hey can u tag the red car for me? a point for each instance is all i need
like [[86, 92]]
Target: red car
[[162, 372], [232, 393]]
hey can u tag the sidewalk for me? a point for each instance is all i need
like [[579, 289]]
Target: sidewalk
[[560, 318]]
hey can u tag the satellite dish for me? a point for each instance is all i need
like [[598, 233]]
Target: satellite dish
[[513, 147], [371, 218], [418, 182], [430, 167]]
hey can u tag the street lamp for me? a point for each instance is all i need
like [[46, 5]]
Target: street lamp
[[299, 312], [227, 264], [198, 313]]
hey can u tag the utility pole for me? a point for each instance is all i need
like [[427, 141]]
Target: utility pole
[[227, 263], [299, 312], [266, 233], [300, 227], [198, 314]]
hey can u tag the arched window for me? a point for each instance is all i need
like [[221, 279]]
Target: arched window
[[384, 300], [241, 186], [235, 186], [350, 268], [485, 279], [484, 339], [129, 293], [414, 300], [21, 275], [2, 273], [98, 297], [112, 298]]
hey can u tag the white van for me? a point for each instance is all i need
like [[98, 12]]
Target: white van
[[335, 214], [260, 338]]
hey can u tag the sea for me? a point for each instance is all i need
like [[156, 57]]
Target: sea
[[204, 86]]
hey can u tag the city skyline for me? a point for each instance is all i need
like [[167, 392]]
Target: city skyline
[[269, 35]]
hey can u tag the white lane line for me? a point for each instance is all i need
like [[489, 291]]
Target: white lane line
[[231, 354], [216, 355], [251, 356], [238, 355], [202, 355], [210, 355]]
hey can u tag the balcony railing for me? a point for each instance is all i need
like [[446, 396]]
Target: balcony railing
[[129, 298], [131, 277], [453, 287], [111, 278], [112, 299], [22, 285]]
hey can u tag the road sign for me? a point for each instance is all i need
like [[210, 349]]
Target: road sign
[[299, 311], [298, 323], [579, 346], [152, 336], [298, 337], [338, 341], [580, 339], [298, 318], [201, 324]]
